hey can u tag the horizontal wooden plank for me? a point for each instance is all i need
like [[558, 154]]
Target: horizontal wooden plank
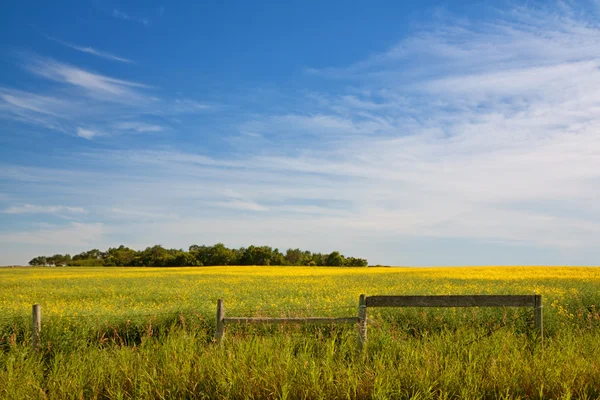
[[309, 320], [452, 301]]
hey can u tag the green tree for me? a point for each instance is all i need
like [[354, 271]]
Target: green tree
[[59, 260], [295, 257], [259, 255], [277, 258], [155, 256], [184, 259], [121, 256], [200, 254], [355, 262], [219, 255], [38, 261], [90, 254], [335, 259], [317, 259]]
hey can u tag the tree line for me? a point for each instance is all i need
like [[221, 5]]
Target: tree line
[[218, 254]]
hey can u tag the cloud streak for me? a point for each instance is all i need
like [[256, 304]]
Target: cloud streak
[[73, 235], [85, 103], [95, 85], [36, 209], [139, 127], [90, 50], [86, 133], [127, 17]]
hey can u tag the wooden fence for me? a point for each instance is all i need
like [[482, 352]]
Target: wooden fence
[[364, 302]]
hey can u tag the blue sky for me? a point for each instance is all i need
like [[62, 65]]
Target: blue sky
[[410, 133]]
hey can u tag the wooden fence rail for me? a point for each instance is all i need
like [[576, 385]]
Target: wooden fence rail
[[451, 301], [222, 320], [307, 320]]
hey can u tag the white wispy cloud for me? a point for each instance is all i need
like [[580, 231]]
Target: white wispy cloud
[[137, 215], [86, 103], [139, 127], [460, 46], [86, 133], [73, 235], [128, 17], [20, 100], [184, 106], [36, 109], [244, 205], [95, 85], [37, 209], [90, 50]]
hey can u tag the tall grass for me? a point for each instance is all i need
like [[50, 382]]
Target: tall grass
[[296, 365]]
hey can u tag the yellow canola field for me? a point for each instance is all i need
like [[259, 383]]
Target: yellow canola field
[[277, 291]]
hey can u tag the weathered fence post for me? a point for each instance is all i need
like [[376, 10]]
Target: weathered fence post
[[538, 313], [220, 332], [36, 326], [362, 322]]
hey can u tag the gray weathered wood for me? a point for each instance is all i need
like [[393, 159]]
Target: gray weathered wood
[[220, 332], [36, 326], [307, 320], [362, 322], [538, 313], [452, 301]]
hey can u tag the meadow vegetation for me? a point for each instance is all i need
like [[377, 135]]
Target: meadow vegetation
[[147, 333]]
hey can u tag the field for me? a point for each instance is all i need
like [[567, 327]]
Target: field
[[147, 333]]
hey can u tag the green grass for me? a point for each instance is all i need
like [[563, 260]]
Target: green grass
[[290, 365], [147, 333]]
